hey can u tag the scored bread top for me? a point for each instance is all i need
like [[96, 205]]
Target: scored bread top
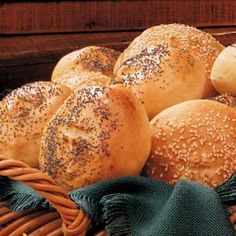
[[198, 43], [100, 132], [23, 114], [162, 75]]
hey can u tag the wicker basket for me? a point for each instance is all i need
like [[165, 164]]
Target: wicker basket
[[67, 220]]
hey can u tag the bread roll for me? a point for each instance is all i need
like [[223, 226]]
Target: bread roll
[[223, 74], [194, 140], [162, 75], [100, 132], [84, 65], [23, 114], [196, 42]]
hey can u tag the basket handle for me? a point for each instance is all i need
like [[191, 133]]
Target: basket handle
[[75, 221]]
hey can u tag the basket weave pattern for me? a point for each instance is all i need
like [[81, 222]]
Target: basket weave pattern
[[67, 220], [73, 221]]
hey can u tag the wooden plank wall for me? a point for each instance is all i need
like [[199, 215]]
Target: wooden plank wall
[[35, 34], [77, 16]]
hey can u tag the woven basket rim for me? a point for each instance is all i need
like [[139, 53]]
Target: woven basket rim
[[73, 219]]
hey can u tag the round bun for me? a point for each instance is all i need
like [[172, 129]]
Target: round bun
[[223, 74], [194, 140], [23, 114], [196, 42], [162, 75], [85, 64], [100, 132]]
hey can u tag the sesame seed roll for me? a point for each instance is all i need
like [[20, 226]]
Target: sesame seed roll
[[162, 75], [194, 140], [149, 68]]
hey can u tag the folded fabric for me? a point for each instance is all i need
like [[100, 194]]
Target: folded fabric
[[139, 206]]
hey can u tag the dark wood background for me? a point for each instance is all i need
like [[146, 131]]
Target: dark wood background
[[35, 34]]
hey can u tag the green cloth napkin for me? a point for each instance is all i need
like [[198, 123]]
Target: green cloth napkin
[[139, 206]]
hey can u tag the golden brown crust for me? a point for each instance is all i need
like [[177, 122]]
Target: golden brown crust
[[163, 75], [23, 114], [223, 74], [196, 42], [194, 140], [100, 132], [84, 64]]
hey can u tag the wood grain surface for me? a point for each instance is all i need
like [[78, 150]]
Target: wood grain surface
[[24, 17]]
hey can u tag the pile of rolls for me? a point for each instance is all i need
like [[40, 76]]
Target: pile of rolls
[[164, 108]]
